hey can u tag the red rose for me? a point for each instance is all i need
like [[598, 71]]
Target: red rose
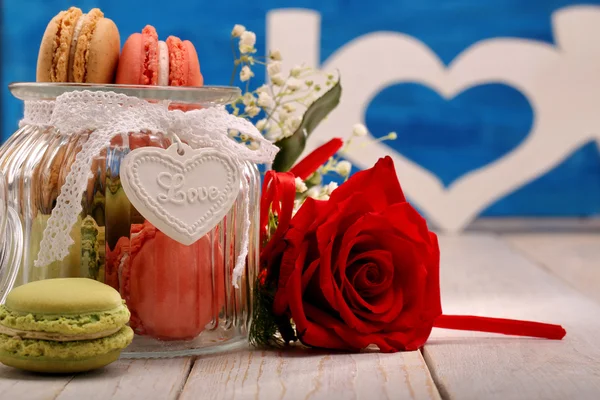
[[361, 268]]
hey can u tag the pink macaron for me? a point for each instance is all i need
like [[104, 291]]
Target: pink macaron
[[145, 60]]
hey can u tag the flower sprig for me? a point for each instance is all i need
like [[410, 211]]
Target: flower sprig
[[336, 165], [283, 100]]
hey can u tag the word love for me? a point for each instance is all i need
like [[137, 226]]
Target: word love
[[173, 183]]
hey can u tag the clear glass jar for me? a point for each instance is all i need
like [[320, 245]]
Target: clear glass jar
[[181, 297]]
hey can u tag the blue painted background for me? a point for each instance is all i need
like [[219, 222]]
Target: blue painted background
[[447, 137]]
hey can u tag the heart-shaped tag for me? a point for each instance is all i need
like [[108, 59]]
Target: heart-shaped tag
[[184, 192]]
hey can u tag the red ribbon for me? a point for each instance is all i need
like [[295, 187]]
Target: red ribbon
[[279, 191], [500, 325], [316, 158]]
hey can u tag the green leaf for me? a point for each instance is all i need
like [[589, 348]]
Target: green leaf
[[291, 147]]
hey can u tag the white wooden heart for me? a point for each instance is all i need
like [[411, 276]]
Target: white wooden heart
[[183, 193], [560, 81]]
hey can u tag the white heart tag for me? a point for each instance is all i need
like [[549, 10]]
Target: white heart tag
[[184, 194]]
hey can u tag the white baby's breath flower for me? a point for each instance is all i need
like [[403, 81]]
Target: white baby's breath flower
[[300, 186], [294, 84], [275, 55], [324, 197], [232, 133], [289, 107], [314, 192], [293, 123], [262, 89], [285, 132], [246, 73], [254, 145], [392, 136], [331, 187], [247, 42], [277, 80], [262, 125], [283, 115], [264, 100], [274, 67], [359, 130], [296, 71], [238, 30], [252, 111], [248, 99], [273, 134], [343, 168]]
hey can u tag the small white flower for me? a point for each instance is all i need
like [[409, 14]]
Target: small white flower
[[300, 186], [247, 42], [283, 116], [264, 100], [262, 125], [285, 132], [392, 136], [343, 168], [232, 133], [296, 71], [331, 187], [252, 111], [294, 84], [275, 55], [254, 145], [293, 123], [246, 73], [273, 135], [289, 107], [277, 80], [314, 192], [359, 130], [238, 30], [248, 99], [273, 68], [262, 89], [324, 197]]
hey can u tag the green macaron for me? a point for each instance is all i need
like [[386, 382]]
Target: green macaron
[[63, 325]]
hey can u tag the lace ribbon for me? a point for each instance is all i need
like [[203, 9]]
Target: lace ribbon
[[107, 114]]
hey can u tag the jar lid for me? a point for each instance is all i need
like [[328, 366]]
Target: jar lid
[[205, 95], [11, 242]]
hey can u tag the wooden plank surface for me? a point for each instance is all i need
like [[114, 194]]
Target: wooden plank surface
[[124, 379], [483, 275], [509, 277], [574, 258], [310, 375]]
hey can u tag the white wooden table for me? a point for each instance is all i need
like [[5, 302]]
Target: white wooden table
[[548, 277]]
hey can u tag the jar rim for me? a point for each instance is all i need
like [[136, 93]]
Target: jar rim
[[205, 95]]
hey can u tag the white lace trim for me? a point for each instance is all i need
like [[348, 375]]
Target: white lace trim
[[107, 114]]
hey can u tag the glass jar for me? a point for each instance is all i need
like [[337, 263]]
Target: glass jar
[[181, 297]]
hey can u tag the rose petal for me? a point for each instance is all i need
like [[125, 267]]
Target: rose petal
[[380, 184], [314, 327], [293, 238], [292, 263], [382, 264]]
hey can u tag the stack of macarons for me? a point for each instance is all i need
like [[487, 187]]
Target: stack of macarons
[[63, 325], [145, 60], [85, 48]]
